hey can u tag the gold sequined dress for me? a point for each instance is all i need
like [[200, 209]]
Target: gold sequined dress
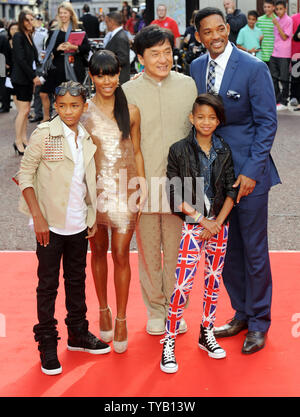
[[117, 191]]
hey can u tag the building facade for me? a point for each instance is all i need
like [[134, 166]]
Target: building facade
[[96, 6], [10, 9]]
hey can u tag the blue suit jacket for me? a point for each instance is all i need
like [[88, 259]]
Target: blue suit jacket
[[251, 120]]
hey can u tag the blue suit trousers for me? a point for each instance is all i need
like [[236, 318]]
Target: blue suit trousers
[[247, 273]]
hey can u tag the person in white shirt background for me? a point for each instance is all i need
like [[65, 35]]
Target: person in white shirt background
[[39, 37]]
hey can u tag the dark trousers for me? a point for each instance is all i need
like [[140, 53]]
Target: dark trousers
[[295, 79], [72, 250], [37, 103], [280, 71], [247, 273], [4, 95]]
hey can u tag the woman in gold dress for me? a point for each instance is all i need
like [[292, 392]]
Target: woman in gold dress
[[121, 188]]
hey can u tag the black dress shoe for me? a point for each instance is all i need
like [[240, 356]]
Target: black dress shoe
[[3, 110], [35, 120], [231, 329], [17, 151], [254, 342]]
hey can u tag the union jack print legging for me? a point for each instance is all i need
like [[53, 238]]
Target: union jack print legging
[[189, 256]]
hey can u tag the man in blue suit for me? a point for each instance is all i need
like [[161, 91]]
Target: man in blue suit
[[246, 87]]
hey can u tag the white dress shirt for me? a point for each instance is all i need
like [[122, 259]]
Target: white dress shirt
[[110, 35], [77, 209], [222, 61]]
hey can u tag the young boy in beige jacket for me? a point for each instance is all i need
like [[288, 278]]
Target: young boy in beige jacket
[[57, 178]]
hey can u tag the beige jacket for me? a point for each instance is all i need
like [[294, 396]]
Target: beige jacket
[[164, 109], [48, 167]]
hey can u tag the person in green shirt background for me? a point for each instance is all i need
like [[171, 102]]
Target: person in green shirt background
[[266, 25], [250, 37]]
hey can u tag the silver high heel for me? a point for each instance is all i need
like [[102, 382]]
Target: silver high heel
[[120, 347], [106, 335]]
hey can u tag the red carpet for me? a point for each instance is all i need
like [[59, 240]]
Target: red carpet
[[274, 371]]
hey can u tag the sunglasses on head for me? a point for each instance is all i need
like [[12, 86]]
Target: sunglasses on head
[[75, 91]]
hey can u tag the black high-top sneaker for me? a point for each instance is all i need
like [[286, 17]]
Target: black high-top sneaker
[[48, 354], [85, 341], [168, 362], [208, 343]]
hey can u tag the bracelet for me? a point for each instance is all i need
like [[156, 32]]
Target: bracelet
[[198, 218]]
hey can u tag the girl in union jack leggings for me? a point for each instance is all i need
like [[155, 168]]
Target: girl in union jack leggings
[[205, 155]]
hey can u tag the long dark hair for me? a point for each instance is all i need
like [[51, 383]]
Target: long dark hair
[[105, 62], [22, 18]]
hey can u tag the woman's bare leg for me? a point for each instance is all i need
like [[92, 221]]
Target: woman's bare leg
[[46, 106], [99, 247], [122, 275], [21, 123]]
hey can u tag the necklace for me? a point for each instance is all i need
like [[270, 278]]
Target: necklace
[[206, 150]]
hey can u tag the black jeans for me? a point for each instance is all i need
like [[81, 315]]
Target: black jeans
[[4, 94], [72, 250], [295, 78], [280, 71]]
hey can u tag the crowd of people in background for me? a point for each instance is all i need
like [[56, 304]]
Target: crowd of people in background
[[38, 35], [273, 37]]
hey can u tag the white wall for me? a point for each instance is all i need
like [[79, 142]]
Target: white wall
[[293, 4], [94, 6], [176, 10], [211, 3], [244, 5]]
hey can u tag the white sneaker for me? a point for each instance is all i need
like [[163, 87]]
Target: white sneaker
[[156, 326], [293, 102], [281, 107], [168, 362]]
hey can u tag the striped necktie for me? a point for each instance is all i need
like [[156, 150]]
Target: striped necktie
[[211, 78]]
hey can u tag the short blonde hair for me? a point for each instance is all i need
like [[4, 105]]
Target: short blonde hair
[[74, 19]]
